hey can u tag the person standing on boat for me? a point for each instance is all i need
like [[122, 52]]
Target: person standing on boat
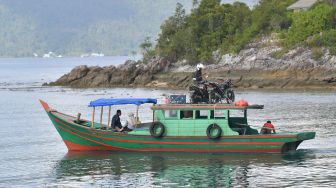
[[267, 128], [130, 122], [116, 124]]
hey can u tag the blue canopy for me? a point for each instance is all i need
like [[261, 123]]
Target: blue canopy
[[121, 101]]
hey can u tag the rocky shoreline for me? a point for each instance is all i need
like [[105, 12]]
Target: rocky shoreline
[[255, 67]]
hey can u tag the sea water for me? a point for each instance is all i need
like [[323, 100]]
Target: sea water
[[32, 154]]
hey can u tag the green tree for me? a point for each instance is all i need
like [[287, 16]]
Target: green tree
[[320, 18], [147, 49], [213, 26], [167, 44]]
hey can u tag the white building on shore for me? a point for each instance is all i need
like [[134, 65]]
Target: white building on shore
[[302, 5]]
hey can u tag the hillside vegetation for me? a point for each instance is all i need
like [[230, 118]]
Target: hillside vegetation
[[80, 26], [227, 28]]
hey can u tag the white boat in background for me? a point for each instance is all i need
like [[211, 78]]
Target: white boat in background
[[97, 55], [92, 55], [51, 55]]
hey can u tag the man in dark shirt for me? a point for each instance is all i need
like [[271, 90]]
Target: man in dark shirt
[[116, 124], [197, 75]]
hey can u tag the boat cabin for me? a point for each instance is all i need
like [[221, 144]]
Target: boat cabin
[[202, 119]]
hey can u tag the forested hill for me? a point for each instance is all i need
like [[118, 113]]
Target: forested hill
[[214, 28], [75, 27]]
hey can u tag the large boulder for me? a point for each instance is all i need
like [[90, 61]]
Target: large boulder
[[76, 74]]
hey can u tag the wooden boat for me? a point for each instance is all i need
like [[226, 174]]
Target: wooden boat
[[174, 128]]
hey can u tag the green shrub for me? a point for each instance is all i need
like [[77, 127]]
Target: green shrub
[[308, 23], [279, 54], [324, 39], [317, 53]]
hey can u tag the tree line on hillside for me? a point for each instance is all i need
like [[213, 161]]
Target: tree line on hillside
[[212, 26], [76, 27]]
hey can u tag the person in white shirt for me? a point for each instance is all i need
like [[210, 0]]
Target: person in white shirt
[[130, 122]]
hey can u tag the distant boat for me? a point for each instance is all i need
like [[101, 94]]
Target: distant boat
[[174, 128], [51, 55], [97, 55], [85, 55], [92, 55]]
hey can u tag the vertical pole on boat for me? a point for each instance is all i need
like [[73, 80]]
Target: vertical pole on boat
[[214, 110], [109, 117], [101, 116], [153, 114], [137, 114], [93, 115]]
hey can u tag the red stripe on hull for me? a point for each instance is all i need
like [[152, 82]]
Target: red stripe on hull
[[214, 150], [77, 147], [236, 136]]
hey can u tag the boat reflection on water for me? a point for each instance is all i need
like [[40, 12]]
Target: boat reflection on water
[[167, 169]]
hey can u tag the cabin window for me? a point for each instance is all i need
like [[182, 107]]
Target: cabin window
[[217, 114], [186, 114], [237, 113], [170, 114], [201, 114]]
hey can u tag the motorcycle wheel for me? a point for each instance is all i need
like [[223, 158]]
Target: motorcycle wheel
[[215, 97], [195, 99], [230, 96]]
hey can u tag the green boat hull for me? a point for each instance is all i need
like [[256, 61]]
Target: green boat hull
[[78, 138]]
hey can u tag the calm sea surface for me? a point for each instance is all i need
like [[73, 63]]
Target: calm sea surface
[[32, 153]]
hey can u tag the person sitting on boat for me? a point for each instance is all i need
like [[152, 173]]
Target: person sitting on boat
[[130, 122], [197, 75], [267, 128], [116, 124]]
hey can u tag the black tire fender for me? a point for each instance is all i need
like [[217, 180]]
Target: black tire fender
[[155, 126], [214, 127]]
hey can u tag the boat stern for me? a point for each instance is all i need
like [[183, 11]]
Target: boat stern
[[292, 146], [306, 136]]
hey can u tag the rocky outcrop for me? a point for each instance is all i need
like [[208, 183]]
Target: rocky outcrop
[[254, 67], [129, 74]]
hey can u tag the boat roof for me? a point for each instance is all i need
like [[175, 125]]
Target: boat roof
[[204, 106], [121, 101]]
